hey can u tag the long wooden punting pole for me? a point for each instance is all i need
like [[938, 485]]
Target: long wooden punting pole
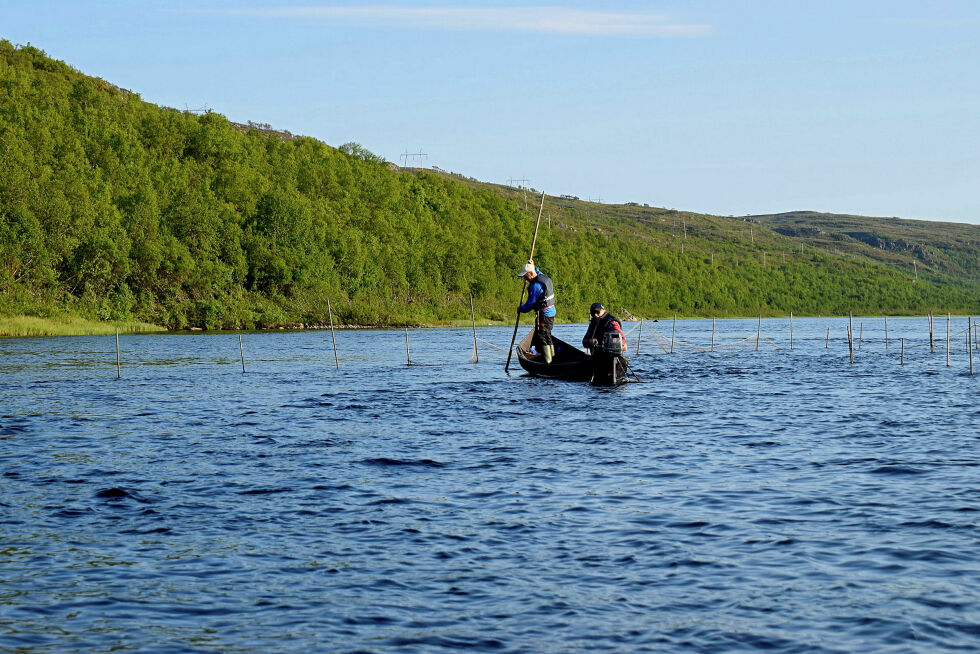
[[333, 336], [476, 352], [534, 241]]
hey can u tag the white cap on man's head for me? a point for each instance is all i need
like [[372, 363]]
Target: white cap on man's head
[[525, 269]]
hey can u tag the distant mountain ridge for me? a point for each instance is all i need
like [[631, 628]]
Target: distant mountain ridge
[[938, 247]]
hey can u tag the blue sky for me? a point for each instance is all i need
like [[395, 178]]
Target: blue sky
[[720, 106]]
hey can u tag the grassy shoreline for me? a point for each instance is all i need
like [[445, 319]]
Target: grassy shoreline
[[30, 326], [21, 326]]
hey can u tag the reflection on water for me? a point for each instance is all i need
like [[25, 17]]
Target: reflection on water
[[735, 500]]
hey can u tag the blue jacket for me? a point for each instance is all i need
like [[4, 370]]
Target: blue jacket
[[534, 293]]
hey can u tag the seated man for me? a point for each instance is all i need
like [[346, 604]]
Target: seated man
[[607, 344], [602, 324]]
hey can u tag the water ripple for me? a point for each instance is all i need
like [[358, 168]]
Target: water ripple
[[738, 501]]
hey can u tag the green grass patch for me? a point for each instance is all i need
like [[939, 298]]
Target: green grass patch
[[69, 326]]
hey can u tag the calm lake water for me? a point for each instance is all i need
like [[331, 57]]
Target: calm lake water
[[736, 500]]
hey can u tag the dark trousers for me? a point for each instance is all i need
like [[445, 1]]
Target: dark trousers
[[542, 331]]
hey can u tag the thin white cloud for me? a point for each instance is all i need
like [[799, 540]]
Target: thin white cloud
[[548, 20], [937, 22]]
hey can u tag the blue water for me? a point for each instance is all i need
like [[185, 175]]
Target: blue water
[[737, 500]]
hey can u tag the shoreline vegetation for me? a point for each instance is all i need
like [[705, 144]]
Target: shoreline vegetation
[[122, 212], [33, 326], [23, 326]]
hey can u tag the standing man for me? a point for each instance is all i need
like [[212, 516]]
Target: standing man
[[541, 300]]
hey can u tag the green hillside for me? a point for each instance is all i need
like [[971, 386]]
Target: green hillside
[[112, 208], [937, 249]]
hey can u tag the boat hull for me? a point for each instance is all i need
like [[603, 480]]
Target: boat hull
[[571, 364]]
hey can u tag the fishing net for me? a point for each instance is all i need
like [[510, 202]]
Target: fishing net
[[670, 344]]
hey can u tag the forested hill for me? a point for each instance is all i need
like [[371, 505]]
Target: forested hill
[[114, 208], [943, 249]]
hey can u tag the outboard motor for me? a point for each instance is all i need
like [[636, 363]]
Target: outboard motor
[[612, 343]]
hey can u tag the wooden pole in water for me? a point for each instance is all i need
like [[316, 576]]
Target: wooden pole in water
[[850, 335], [758, 334], [826, 343], [903, 352], [932, 345], [791, 330], [947, 340], [333, 336], [118, 364], [476, 351], [673, 329], [886, 332], [712, 334], [241, 350], [638, 337], [408, 352], [969, 348], [534, 240]]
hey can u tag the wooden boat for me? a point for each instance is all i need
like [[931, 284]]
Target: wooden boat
[[569, 363]]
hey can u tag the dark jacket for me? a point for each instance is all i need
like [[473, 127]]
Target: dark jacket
[[598, 328]]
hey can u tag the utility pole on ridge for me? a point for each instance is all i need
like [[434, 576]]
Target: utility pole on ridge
[[523, 181]]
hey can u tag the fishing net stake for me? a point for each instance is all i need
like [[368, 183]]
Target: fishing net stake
[[333, 335], [476, 351], [969, 345]]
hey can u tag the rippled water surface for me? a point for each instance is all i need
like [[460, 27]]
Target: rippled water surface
[[737, 500]]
